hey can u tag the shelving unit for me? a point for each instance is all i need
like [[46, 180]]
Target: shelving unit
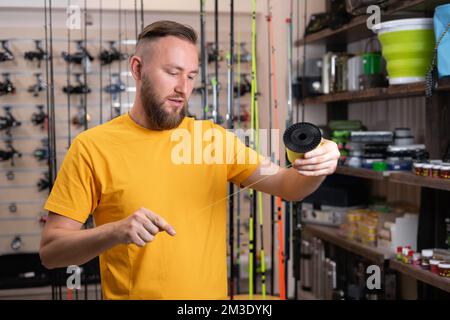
[[421, 275], [397, 177], [436, 132], [331, 235], [357, 29], [376, 94]]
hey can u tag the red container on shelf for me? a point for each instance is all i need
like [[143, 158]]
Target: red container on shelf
[[434, 266]]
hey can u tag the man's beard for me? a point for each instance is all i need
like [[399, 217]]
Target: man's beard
[[157, 117]]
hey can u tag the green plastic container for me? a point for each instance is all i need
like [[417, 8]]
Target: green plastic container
[[371, 63], [407, 48]]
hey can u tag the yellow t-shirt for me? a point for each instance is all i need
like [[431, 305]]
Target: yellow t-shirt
[[112, 170]]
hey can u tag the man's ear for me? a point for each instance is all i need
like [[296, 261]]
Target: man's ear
[[136, 67]]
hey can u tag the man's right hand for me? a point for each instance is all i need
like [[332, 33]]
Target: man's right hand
[[141, 227]]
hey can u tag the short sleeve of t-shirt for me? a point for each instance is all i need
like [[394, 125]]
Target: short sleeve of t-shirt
[[74, 193], [242, 161]]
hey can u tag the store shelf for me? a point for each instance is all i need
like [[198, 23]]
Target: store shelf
[[357, 29], [421, 275], [397, 177], [361, 173], [331, 235], [412, 179], [376, 94]]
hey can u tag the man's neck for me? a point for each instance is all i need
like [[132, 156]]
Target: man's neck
[[137, 114]]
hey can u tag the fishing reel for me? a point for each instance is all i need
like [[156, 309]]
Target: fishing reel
[[16, 243], [5, 55], [43, 153], [243, 88], [244, 55], [82, 56], [44, 183], [39, 86], [212, 53], [111, 55], [6, 87], [39, 55], [81, 88], [10, 153], [116, 86], [8, 121], [39, 118], [81, 119]]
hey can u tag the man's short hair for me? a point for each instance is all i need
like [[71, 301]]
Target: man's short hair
[[164, 28]]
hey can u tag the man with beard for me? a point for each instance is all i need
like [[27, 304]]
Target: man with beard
[[160, 226]]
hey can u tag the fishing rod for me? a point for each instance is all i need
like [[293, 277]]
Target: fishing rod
[[215, 79], [142, 15], [304, 62], [230, 118], [238, 218], [258, 149], [120, 50], [68, 72], [289, 122], [203, 59], [136, 32], [272, 198], [50, 97], [85, 65], [253, 142], [281, 263], [101, 64], [126, 53]]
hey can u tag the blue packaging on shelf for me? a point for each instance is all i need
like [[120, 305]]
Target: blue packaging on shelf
[[441, 25]]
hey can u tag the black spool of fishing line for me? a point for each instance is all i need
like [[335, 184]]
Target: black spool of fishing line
[[301, 138]]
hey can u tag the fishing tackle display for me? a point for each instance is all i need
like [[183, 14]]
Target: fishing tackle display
[[81, 88], [82, 56], [40, 85], [6, 54], [8, 121], [109, 56], [39, 118], [6, 87], [10, 153], [39, 54]]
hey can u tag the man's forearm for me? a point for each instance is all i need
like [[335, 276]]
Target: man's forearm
[[64, 247], [296, 187]]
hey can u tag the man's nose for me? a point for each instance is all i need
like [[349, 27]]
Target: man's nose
[[182, 86]]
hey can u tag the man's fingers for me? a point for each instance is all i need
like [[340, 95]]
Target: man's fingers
[[324, 172], [145, 235], [150, 227], [160, 222], [325, 165], [137, 241], [163, 225]]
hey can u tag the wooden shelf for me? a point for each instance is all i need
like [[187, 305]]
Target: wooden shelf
[[331, 235], [412, 179], [361, 173], [376, 94], [357, 29], [421, 275], [397, 177]]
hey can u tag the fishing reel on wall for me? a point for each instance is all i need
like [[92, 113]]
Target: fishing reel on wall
[[6, 87], [39, 54], [8, 121], [6, 55]]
